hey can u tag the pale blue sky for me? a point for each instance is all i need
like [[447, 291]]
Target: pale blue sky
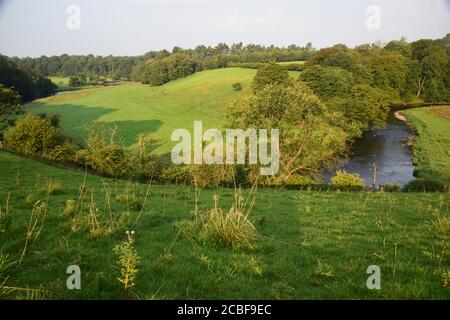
[[133, 27]]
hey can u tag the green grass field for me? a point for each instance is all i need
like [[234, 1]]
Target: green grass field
[[61, 82], [157, 111], [311, 244], [432, 146]]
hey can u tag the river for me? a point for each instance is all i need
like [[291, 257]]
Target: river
[[388, 150]]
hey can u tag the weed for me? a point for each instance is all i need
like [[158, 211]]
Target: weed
[[281, 291], [70, 208], [323, 270], [53, 187], [440, 223], [30, 200], [5, 217], [446, 279], [128, 262]]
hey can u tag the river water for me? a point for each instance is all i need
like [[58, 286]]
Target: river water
[[387, 149]]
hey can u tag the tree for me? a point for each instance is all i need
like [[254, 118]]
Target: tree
[[271, 74], [328, 82], [389, 69], [310, 135], [364, 106], [75, 82], [12, 77], [44, 87], [401, 46], [9, 100]]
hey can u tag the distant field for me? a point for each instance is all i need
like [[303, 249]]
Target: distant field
[[292, 62], [312, 244], [157, 111], [61, 82], [432, 147]]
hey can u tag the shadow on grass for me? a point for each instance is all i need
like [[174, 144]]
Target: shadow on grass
[[76, 119]]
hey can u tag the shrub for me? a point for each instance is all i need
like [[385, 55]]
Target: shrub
[[177, 174], [389, 187], [55, 120], [150, 167], [426, 185], [104, 156], [347, 181], [205, 175], [237, 86], [301, 182], [32, 135]]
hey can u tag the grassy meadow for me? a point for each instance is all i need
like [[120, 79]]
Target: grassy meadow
[[140, 109], [308, 244], [156, 111], [432, 146], [61, 82]]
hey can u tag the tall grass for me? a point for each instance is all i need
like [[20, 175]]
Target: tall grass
[[232, 227]]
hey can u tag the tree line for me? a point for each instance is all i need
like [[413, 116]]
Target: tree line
[[157, 67]]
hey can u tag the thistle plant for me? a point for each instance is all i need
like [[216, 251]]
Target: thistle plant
[[128, 261]]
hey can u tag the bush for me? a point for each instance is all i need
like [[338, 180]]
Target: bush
[[176, 174], [104, 156], [33, 135], [302, 182], [55, 120], [212, 175], [237, 86], [426, 185], [347, 181], [109, 160]]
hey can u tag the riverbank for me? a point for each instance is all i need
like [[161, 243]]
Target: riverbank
[[431, 149]]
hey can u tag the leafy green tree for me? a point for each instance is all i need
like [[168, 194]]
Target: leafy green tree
[[401, 46], [433, 73], [328, 82], [389, 69], [310, 134], [271, 74], [44, 87], [13, 77], [9, 100], [364, 106], [75, 82]]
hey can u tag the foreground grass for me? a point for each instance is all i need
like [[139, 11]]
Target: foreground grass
[[312, 244], [140, 109], [432, 146]]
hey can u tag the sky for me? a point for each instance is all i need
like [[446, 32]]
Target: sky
[[133, 27]]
